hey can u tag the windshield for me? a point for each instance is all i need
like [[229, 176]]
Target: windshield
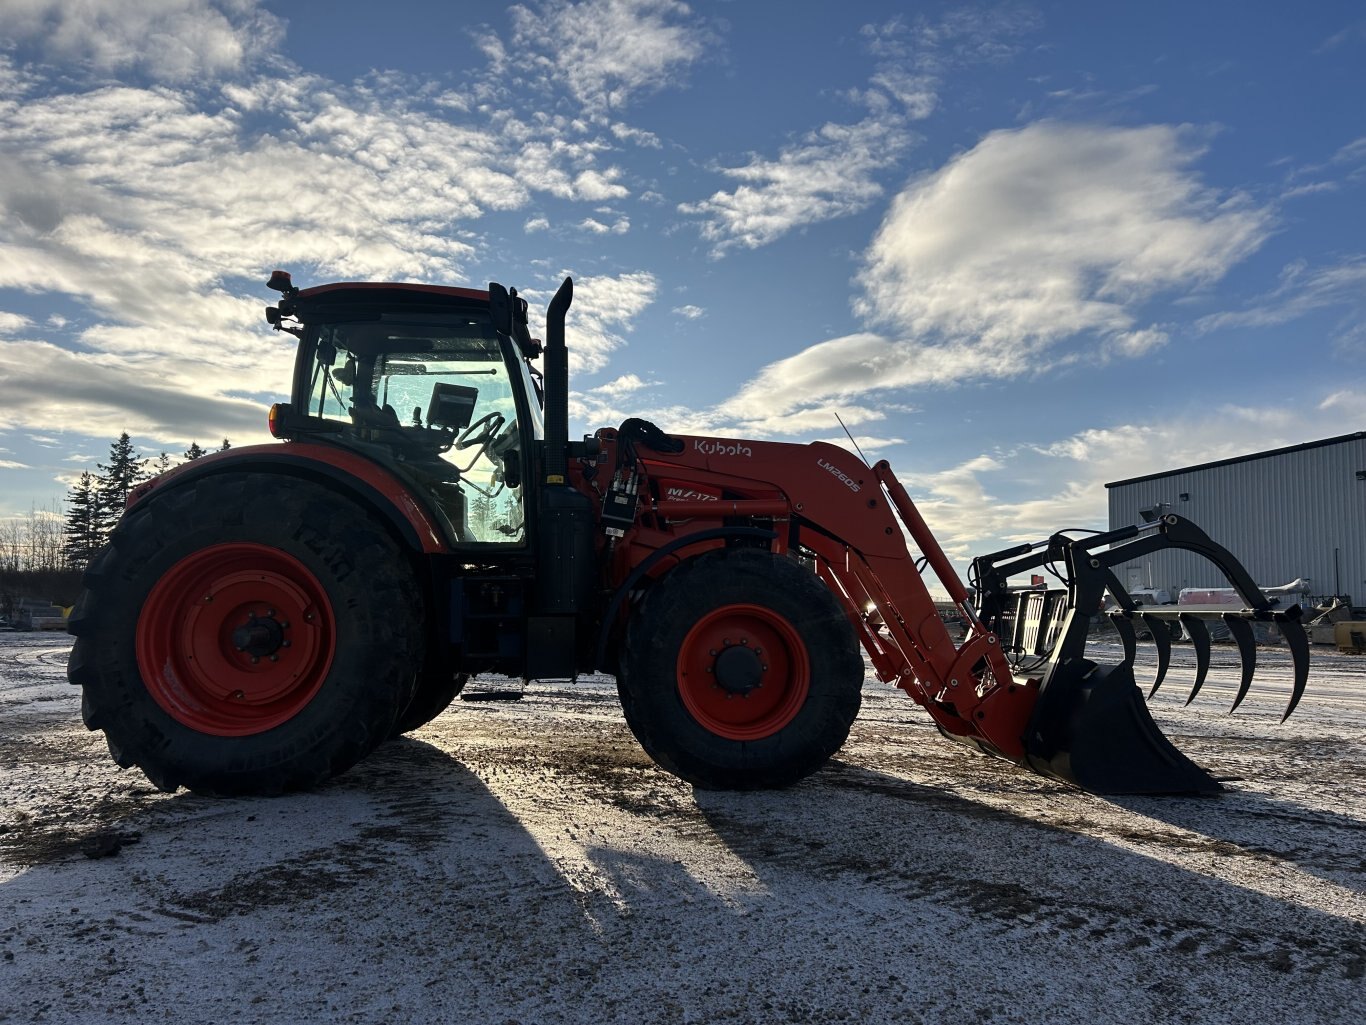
[[439, 393]]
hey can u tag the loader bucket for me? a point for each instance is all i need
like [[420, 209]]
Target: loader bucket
[[1091, 728]]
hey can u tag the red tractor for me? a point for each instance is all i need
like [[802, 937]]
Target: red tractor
[[265, 617]]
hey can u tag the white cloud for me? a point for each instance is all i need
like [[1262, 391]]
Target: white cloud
[[991, 263], [918, 94], [618, 227], [617, 387], [12, 323], [607, 51], [865, 444], [604, 307], [1349, 405], [853, 367], [628, 133], [159, 209], [1132, 344], [594, 186], [1050, 231], [756, 420], [689, 312], [178, 41], [106, 395], [830, 173], [988, 266], [1303, 291]]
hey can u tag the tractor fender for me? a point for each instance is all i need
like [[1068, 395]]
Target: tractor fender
[[346, 472], [636, 575]]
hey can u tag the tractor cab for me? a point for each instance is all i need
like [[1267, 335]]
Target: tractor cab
[[422, 381]]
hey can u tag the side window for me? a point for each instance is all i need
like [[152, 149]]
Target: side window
[[444, 407], [471, 401]]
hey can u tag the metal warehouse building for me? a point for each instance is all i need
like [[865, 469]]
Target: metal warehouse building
[[1290, 512]]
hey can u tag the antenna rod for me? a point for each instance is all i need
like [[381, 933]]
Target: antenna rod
[[852, 441]]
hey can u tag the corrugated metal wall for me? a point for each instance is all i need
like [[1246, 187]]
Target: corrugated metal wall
[[1299, 513]]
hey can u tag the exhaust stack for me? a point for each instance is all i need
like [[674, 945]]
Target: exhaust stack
[[557, 386]]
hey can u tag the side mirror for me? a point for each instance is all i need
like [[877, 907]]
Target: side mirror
[[509, 313], [500, 308]]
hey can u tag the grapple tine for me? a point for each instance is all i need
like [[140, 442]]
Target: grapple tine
[[1125, 628], [1199, 635], [1298, 640], [1241, 630], [1157, 627]]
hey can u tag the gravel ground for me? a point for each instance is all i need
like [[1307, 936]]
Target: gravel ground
[[525, 863]]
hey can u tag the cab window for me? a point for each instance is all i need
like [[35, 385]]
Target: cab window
[[437, 394]]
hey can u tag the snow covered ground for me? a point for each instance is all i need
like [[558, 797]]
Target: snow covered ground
[[526, 863]]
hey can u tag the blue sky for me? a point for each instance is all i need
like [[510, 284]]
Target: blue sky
[[1021, 250]]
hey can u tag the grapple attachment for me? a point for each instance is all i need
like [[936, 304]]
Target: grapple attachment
[[1090, 725]]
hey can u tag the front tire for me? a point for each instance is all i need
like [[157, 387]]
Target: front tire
[[246, 633], [740, 671]]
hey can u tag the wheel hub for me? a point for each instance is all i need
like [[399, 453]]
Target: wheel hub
[[260, 637], [739, 670], [742, 671]]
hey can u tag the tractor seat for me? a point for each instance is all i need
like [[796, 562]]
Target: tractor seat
[[370, 415]]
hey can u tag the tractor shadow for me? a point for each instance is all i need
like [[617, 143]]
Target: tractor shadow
[[1242, 823], [937, 852]]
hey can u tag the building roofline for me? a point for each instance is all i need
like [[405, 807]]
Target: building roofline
[[1241, 459]]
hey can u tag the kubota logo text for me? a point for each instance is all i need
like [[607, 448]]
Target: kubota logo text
[[721, 448], [847, 481]]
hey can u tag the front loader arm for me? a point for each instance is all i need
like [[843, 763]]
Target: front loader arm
[[1019, 684]]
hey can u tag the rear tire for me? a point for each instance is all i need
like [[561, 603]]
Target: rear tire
[[740, 672], [436, 690], [246, 633]]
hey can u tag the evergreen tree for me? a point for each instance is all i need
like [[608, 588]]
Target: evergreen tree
[[226, 445], [124, 471], [479, 512], [162, 464], [194, 451], [83, 536]]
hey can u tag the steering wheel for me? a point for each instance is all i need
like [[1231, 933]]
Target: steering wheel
[[471, 436]]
